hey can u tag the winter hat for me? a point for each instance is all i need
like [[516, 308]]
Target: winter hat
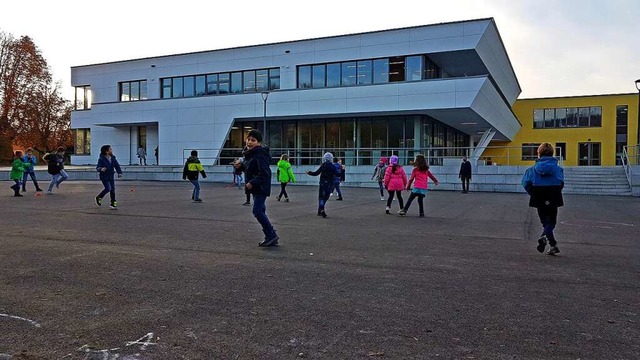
[[327, 157], [256, 134], [394, 160], [194, 153], [383, 160]]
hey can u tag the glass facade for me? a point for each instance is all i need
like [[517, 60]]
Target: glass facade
[[367, 71], [622, 122], [82, 99], [360, 141], [213, 84], [567, 117]]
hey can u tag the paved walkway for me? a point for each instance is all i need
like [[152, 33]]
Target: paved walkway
[[164, 278]]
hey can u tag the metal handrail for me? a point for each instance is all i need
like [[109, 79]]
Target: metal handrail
[[626, 164]]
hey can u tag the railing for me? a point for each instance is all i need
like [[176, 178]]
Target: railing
[[627, 160]]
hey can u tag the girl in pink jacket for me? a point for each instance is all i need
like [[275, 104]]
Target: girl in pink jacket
[[420, 175], [395, 180]]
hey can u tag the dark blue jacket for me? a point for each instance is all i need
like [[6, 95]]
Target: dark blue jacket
[[257, 170], [112, 167], [544, 182], [327, 172]]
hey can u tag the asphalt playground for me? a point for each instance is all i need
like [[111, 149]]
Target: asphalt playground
[[165, 278]]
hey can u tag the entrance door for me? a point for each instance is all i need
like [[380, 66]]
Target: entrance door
[[561, 151], [589, 154]]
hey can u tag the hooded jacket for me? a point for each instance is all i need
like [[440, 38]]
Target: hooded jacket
[[17, 169], [395, 181], [378, 172], [285, 174], [257, 170], [326, 171], [421, 179], [193, 167], [112, 166], [29, 163], [55, 163], [544, 182]]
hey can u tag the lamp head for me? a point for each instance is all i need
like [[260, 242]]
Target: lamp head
[[638, 84], [265, 95]]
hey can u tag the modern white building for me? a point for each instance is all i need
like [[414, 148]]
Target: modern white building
[[362, 96]]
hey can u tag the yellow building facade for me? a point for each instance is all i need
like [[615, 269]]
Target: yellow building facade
[[586, 130]]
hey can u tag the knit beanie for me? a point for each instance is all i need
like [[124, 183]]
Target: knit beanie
[[394, 160], [256, 134], [194, 153], [383, 160], [328, 157]]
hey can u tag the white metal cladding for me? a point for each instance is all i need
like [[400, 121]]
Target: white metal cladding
[[462, 49]]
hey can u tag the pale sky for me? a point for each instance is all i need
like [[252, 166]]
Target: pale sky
[[557, 47]]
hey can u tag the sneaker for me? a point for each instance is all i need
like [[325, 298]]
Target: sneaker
[[278, 198], [402, 212], [57, 185], [49, 192], [420, 215], [114, 205], [246, 203], [382, 198], [98, 201], [386, 210], [553, 250], [323, 214], [339, 199], [271, 242], [286, 199], [39, 190], [319, 212], [542, 243], [18, 195], [198, 200]]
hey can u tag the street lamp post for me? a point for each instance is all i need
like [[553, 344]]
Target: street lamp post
[[265, 96]]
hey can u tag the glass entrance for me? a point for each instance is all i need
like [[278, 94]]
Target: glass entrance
[[589, 154]]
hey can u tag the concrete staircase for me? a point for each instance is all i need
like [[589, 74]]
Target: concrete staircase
[[596, 180]]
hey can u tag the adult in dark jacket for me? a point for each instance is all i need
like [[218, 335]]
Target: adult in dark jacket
[[258, 183], [544, 182], [328, 173], [107, 167], [465, 174]]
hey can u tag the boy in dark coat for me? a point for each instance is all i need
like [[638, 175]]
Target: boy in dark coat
[[192, 169], [544, 182], [107, 167], [258, 183], [328, 173], [465, 174], [55, 167]]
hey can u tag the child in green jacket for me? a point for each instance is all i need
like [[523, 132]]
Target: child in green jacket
[[17, 172], [284, 175]]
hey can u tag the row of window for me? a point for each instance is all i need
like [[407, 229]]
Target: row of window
[[82, 98], [588, 152], [567, 117], [365, 72], [133, 90], [222, 83]]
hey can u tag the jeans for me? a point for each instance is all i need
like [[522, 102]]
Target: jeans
[[57, 179], [381, 185], [420, 202], [196, 189], [237, 180], [143, 158], [260, 213], [336, 186], [390, 199], [25, 177], [283, 190], [325, 189], [16, 187], [109, 187], [465, 184], [548, 217]]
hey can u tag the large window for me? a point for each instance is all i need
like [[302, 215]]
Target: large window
[[622, 121], [82, 141], [208, 84], [82, 98], [133, 90], [367, 71], [567, 117]]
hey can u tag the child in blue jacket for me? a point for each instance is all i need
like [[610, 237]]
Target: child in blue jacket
[[328, 173], [107, 167], [544, 182]]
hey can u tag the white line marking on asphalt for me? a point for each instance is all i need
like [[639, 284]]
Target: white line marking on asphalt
[[34, 323], [594, 224], [147, 342]]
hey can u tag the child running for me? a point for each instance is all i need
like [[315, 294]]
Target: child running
[[327, 174], [192, 169], [55, 167], [17, 172], [395, 180], [338, 179], [420, 175], [258, 177], [29, 161], [285, 176], [238, 169], [107, 166], [544, 182], [378, 175]]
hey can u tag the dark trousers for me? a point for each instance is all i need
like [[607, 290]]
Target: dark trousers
[[548, 217], [260, 213], [283, 190], [465, 184], [390, 199], [16, 187], [420, 202], [25, 177], [109, 187], [336, 187], [324, 191], [381, 185]]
